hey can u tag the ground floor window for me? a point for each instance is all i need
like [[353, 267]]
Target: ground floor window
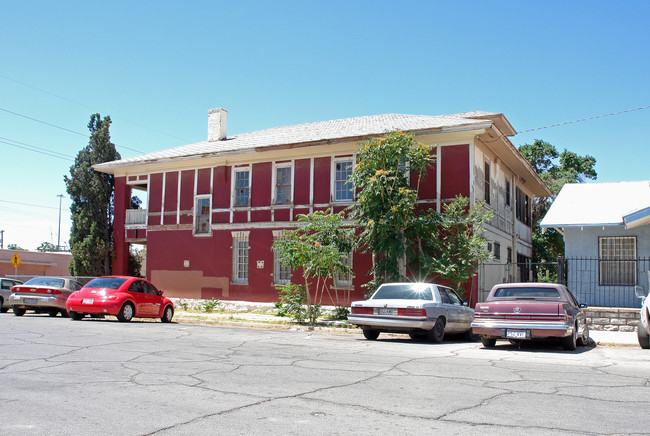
[[617, 260], [240, 257], [344, 280]]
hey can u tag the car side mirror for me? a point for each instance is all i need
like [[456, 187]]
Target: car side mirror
[[640, 292], [465, 303], [583, 306], [160, 293]]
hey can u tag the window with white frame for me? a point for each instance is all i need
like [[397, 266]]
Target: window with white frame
[[343, 187], [283, 183], [344, 280], [281, 271], [240, 257], [241, 186], [202, 214], [617, 260]]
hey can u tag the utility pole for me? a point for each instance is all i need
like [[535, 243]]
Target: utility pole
[[2, 239], [58, 236]]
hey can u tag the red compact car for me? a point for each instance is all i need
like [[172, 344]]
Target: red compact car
[[121, 296]]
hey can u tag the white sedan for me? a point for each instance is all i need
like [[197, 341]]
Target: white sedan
[[418, 309]]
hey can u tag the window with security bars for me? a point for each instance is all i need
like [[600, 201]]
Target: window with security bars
[[283, 185], [343, 188], [242, 187], [240, 260], [202, 215], [344, 280], [617, 260], [281, 271]]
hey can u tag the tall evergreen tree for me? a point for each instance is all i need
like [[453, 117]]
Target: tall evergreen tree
[[91, 192]]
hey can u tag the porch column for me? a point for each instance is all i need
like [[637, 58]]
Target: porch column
[[122, 203]]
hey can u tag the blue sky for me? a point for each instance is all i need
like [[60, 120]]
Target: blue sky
[[157, 67]]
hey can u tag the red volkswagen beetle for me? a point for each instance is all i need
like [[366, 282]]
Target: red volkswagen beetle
[[121, 296]]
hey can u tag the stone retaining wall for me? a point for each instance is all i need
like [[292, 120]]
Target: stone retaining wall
[[612, 318]]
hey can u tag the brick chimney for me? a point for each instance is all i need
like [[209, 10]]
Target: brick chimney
[[217, 124]]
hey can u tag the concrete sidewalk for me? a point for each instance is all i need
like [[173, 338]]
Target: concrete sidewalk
[[614, 339]]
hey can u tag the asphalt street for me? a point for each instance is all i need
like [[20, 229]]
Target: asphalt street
[[142, 378]]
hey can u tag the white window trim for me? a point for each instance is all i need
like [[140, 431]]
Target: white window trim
[[195, 214], [277, 234], [274, 182], [345, 284], [333, 191], [238, 237], [233, 175]]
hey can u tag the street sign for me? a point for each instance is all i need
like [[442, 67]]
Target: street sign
[[15, 260]]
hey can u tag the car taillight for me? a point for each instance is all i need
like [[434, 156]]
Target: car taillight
[[362, 310], [412, 312]]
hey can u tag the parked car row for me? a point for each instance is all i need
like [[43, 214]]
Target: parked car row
[[121, 296], [515, 311]]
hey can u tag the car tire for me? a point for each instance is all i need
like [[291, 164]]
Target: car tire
[[583, 341], [371, 335], [437, 333], [19, 312], [570, 342], [4, 309], [126, 313], [65, 313], [168, 314], [470, 336], [642, 335], [76, 316], [488, 342]]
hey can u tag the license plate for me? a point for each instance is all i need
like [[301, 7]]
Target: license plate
[[516, 334], [388, 311], [87, 301], [30, 301]]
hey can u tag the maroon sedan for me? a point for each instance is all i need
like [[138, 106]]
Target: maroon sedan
[[529, 311], [121, 296]]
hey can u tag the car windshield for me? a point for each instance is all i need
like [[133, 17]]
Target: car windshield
[[412, 291], [105, 283], [46, 281], [530, 292]]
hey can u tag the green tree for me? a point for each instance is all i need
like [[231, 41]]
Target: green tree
[[92, 203], [385, 203], [320, 247], [555, 169], [15, 247], [47, 247], [445, 245]]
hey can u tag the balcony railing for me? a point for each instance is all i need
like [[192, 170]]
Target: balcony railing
[[136, 217]]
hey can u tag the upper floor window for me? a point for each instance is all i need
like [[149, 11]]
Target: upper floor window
[[202, 214], [283, 183], [522, 210], [486, 185], [508, 193], [497, 250], [241, 186], [343, 188]]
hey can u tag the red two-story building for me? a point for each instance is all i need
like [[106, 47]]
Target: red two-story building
[[215, 207]]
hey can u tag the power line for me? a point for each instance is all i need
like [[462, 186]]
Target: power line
[[63, 128], [28, 204], [585, 119], [36, 149], [93, 109]]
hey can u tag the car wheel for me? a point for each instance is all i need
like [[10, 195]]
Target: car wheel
[[168, 314], [642, 336], [471, 336], [584, 339], [417, 336], [126, 313], [19, 312], [437, 333], [76, 316], [488, 342], [4, 309], [569, 343], [371, 335], [65, 314]]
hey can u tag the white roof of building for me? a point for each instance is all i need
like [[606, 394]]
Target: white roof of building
[[311, 132], [600, 204]]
